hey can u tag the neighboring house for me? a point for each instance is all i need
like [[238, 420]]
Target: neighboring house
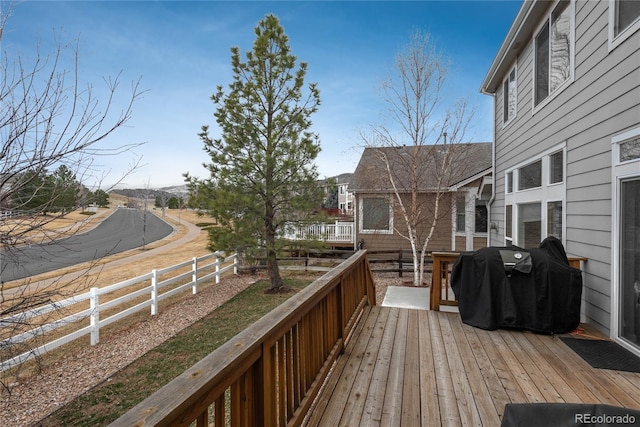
[[346, 197], [462, 213], [566, 89], [338, 193]]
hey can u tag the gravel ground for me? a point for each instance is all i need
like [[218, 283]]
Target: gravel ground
[[59, 383]]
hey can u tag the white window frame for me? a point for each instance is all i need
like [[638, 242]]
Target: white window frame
[[470, 205], [508, 182], [552, 95], [564, 172], [508, 240], [510, 119], [547, 192], [620, 172], [361, 217], [517, 176], [615, 41]]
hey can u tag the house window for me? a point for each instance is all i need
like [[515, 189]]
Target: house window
[[481, 216], [553, 52], [477, 214], [509, 183], [630, 150], [538, 212], [530, 176], [626, 13], [461, 207], [375, 215], [556, 168], [510, 96], [554, 219], [529, 225]]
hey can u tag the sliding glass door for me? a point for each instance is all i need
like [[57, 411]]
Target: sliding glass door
[[629, 283]]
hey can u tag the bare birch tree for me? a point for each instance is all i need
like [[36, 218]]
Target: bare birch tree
[[48, 118], [425, 134]]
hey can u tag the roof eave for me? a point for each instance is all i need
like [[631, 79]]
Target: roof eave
[[467, 181], [518, 36]]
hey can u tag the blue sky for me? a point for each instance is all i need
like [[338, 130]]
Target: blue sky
[[181, 52]]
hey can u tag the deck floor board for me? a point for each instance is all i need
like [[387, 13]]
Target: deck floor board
[[414, 367]]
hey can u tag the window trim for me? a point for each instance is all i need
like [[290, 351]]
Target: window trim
[[461, 196], [470, 206], [619, 139], [516, 188], [620, 172], [544, 194], [361, 217], [563, 229], [508, 238], [513, 69], [508, 182], [552, 95], [615, 41], [564, 167]]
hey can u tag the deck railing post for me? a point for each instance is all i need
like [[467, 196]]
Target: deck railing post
[[436, 283], [94, 306]]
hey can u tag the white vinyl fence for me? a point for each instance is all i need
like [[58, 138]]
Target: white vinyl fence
[[203, 268]]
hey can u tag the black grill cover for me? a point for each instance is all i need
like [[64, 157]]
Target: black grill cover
[[492, 295]]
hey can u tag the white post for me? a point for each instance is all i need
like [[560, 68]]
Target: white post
[[154, 292], [235, 264], [94, 306], [194, 275], [469, 219], [217, 270]]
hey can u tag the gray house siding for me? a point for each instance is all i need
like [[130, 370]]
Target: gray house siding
[[602, 100]]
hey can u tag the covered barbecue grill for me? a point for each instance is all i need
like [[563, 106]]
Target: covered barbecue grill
[[510, 287]]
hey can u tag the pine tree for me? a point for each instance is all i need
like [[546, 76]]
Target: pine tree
[[262, 171]]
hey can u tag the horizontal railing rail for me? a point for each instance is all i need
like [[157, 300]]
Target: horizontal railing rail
[[211, 265], [270, 373], [400, 259]]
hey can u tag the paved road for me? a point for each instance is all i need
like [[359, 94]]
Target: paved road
[[121, 231]]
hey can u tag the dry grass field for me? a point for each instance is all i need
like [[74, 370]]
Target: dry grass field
[[123, 266]]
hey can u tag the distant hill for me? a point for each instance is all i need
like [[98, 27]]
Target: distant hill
[[176, 190], [149, 193]]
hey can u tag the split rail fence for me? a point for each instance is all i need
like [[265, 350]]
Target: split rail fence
[[89, 306]]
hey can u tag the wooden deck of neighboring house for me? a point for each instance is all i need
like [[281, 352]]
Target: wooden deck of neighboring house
[[416, 367]]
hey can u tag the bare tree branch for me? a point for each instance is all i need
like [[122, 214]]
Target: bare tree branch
[[421, 152], [48, 120]]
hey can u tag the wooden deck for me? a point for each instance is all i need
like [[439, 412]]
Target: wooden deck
[[412, 368]]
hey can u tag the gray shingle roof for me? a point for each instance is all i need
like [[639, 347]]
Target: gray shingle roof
[[420, 165]]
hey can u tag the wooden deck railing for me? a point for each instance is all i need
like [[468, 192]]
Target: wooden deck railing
[[441, 292], [270, 373]]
